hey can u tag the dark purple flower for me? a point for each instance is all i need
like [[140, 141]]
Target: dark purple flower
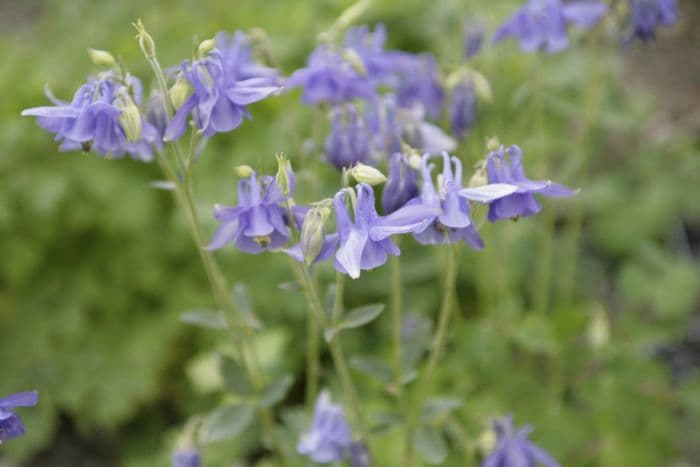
[[647, 15], [513, 449], [522, 203], [473, 38], [359, 455], [401, 186], [95, 119], [237, 58], [452, 223], [328, 439], [462, 108], [11, 425], [259, 221], [350, 140], [219, 100], [541, 24], [331, 77], [419, 83], [186, 458], [366, 243]]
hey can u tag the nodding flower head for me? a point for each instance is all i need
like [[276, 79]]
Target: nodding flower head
[[522, 202], [219, 99], [11, 426], [102, 117], [401, 186], [350, 140], [378, 63], [328, 439], [419, 83], [258, 223], [188, 457], [648, 15], [541, 24], [513, 448], [331, 77], [473, 38], [365, 242], [453, 223], [462, 108], [237, 57]]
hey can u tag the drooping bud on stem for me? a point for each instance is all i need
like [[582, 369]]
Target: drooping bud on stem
[[243, 171], [101, 58], [179, 92], [285, 176], [205, 47], [313, 232], [367, 174], [130, 116]]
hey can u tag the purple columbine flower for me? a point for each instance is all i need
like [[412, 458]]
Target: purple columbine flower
[[419, 83], [401, 185], [350, 139], [541, 24], [237, 58], [328, 439], [186, 458], [513, 449], [329, 77], [462, 108], [11, 426], [522, 203], [366, 243], [473, 38], [94, 119], [369, 47], [647, 15], [453, 223], [258, 223], [219, 99]]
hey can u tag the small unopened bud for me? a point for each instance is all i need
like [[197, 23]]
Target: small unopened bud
[[148, 47], [487, 441], [179, 92], [130, 117], [481, 85], [205, 47], [243, 171], [367, 174], [598, 329], [313, 233], [351, 57], [285, 175], [415, 160], [101, 58], [480, 178], [492, 143]]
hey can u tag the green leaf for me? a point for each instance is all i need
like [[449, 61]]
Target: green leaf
[[245, 307], [234, 376], [437, 407], [535, 334], [204, 318], [225, 423], [356, 318], [373, 367], [276, 391], [430, 444]]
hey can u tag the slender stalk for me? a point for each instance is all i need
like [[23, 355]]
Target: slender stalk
[[437, 345], [397, 323]]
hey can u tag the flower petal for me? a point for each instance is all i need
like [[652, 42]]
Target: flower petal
[[488, 193], [349, 255], [21, 399]]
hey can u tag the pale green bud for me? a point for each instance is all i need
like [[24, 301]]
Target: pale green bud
[[415, 161], [130, 117], [179, 92], [598, 328], [493, 143], [487, 441], [284, 174], [243, 171], [101, 58], [205, 47], [367, 174], [479, 178], [313, 232], [148, 47], [482, 87], [351, 57]]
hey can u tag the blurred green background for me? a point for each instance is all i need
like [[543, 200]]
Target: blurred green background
[[583, 321]]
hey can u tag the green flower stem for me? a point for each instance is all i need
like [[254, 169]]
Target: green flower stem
[[339, 361], [437, 344], [185, 200], [396, 324]]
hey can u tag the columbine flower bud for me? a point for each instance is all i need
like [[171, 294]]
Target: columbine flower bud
[[130, 117], [205, 47], [481, 85], [367, 174], [354, 59], [492, 143], [243, 171], [179, 92], [101, 58], [285, 175], [480, 177], [598, 329], [487, 441], [313, 233], [148, 47]]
